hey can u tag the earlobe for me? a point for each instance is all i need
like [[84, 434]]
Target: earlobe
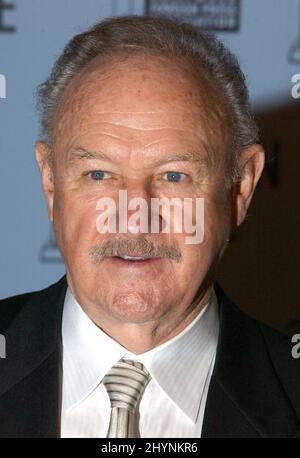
[[252, 164], [42, 155]]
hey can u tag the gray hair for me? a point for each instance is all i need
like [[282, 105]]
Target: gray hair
[[169, 37]]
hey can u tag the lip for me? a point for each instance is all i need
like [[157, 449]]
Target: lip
[[136, 263], [136, 254]]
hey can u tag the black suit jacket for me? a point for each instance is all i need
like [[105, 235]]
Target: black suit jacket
[[254, 389]]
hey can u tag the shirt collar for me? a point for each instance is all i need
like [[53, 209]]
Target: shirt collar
[[179, 366]]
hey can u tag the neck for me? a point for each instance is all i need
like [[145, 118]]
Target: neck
[[141, 337]]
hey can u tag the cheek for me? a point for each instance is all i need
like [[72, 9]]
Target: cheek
[[75, 221], [198, 257], [217, 217]]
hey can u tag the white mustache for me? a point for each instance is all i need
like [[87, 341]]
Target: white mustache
[[142, 248]]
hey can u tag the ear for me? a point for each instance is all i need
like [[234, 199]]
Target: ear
[[43, 159], [252, 163]]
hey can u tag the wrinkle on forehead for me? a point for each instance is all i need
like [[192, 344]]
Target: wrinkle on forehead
[[132, 86], [152, 95], [130, 122]]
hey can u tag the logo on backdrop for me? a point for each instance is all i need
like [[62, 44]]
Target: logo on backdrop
[[5, 26], [216, 15], [49, 252], [294, 51]]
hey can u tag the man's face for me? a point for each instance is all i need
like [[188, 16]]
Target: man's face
[[125, 126]]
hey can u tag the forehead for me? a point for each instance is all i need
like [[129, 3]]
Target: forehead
[[141, 96], [126, 82]]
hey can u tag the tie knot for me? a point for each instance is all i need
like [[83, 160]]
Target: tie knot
[[125, 383]]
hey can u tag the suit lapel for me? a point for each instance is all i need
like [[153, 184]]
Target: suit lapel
[[32, 383], [245, 398]]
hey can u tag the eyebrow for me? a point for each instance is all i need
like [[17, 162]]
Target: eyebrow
[[189, 156], [82, 153]]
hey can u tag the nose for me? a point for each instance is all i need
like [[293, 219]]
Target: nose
[[134, 214]]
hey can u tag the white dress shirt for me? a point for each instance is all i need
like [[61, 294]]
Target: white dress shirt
[[174, 400]]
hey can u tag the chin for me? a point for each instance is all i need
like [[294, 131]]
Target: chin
[[134, 307]]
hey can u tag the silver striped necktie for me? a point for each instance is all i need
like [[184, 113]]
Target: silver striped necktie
[[125, 383]]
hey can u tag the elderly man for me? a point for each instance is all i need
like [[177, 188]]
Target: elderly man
[[137, 340]]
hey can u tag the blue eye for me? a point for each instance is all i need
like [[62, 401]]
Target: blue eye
[[97, 175], [174, 177]]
